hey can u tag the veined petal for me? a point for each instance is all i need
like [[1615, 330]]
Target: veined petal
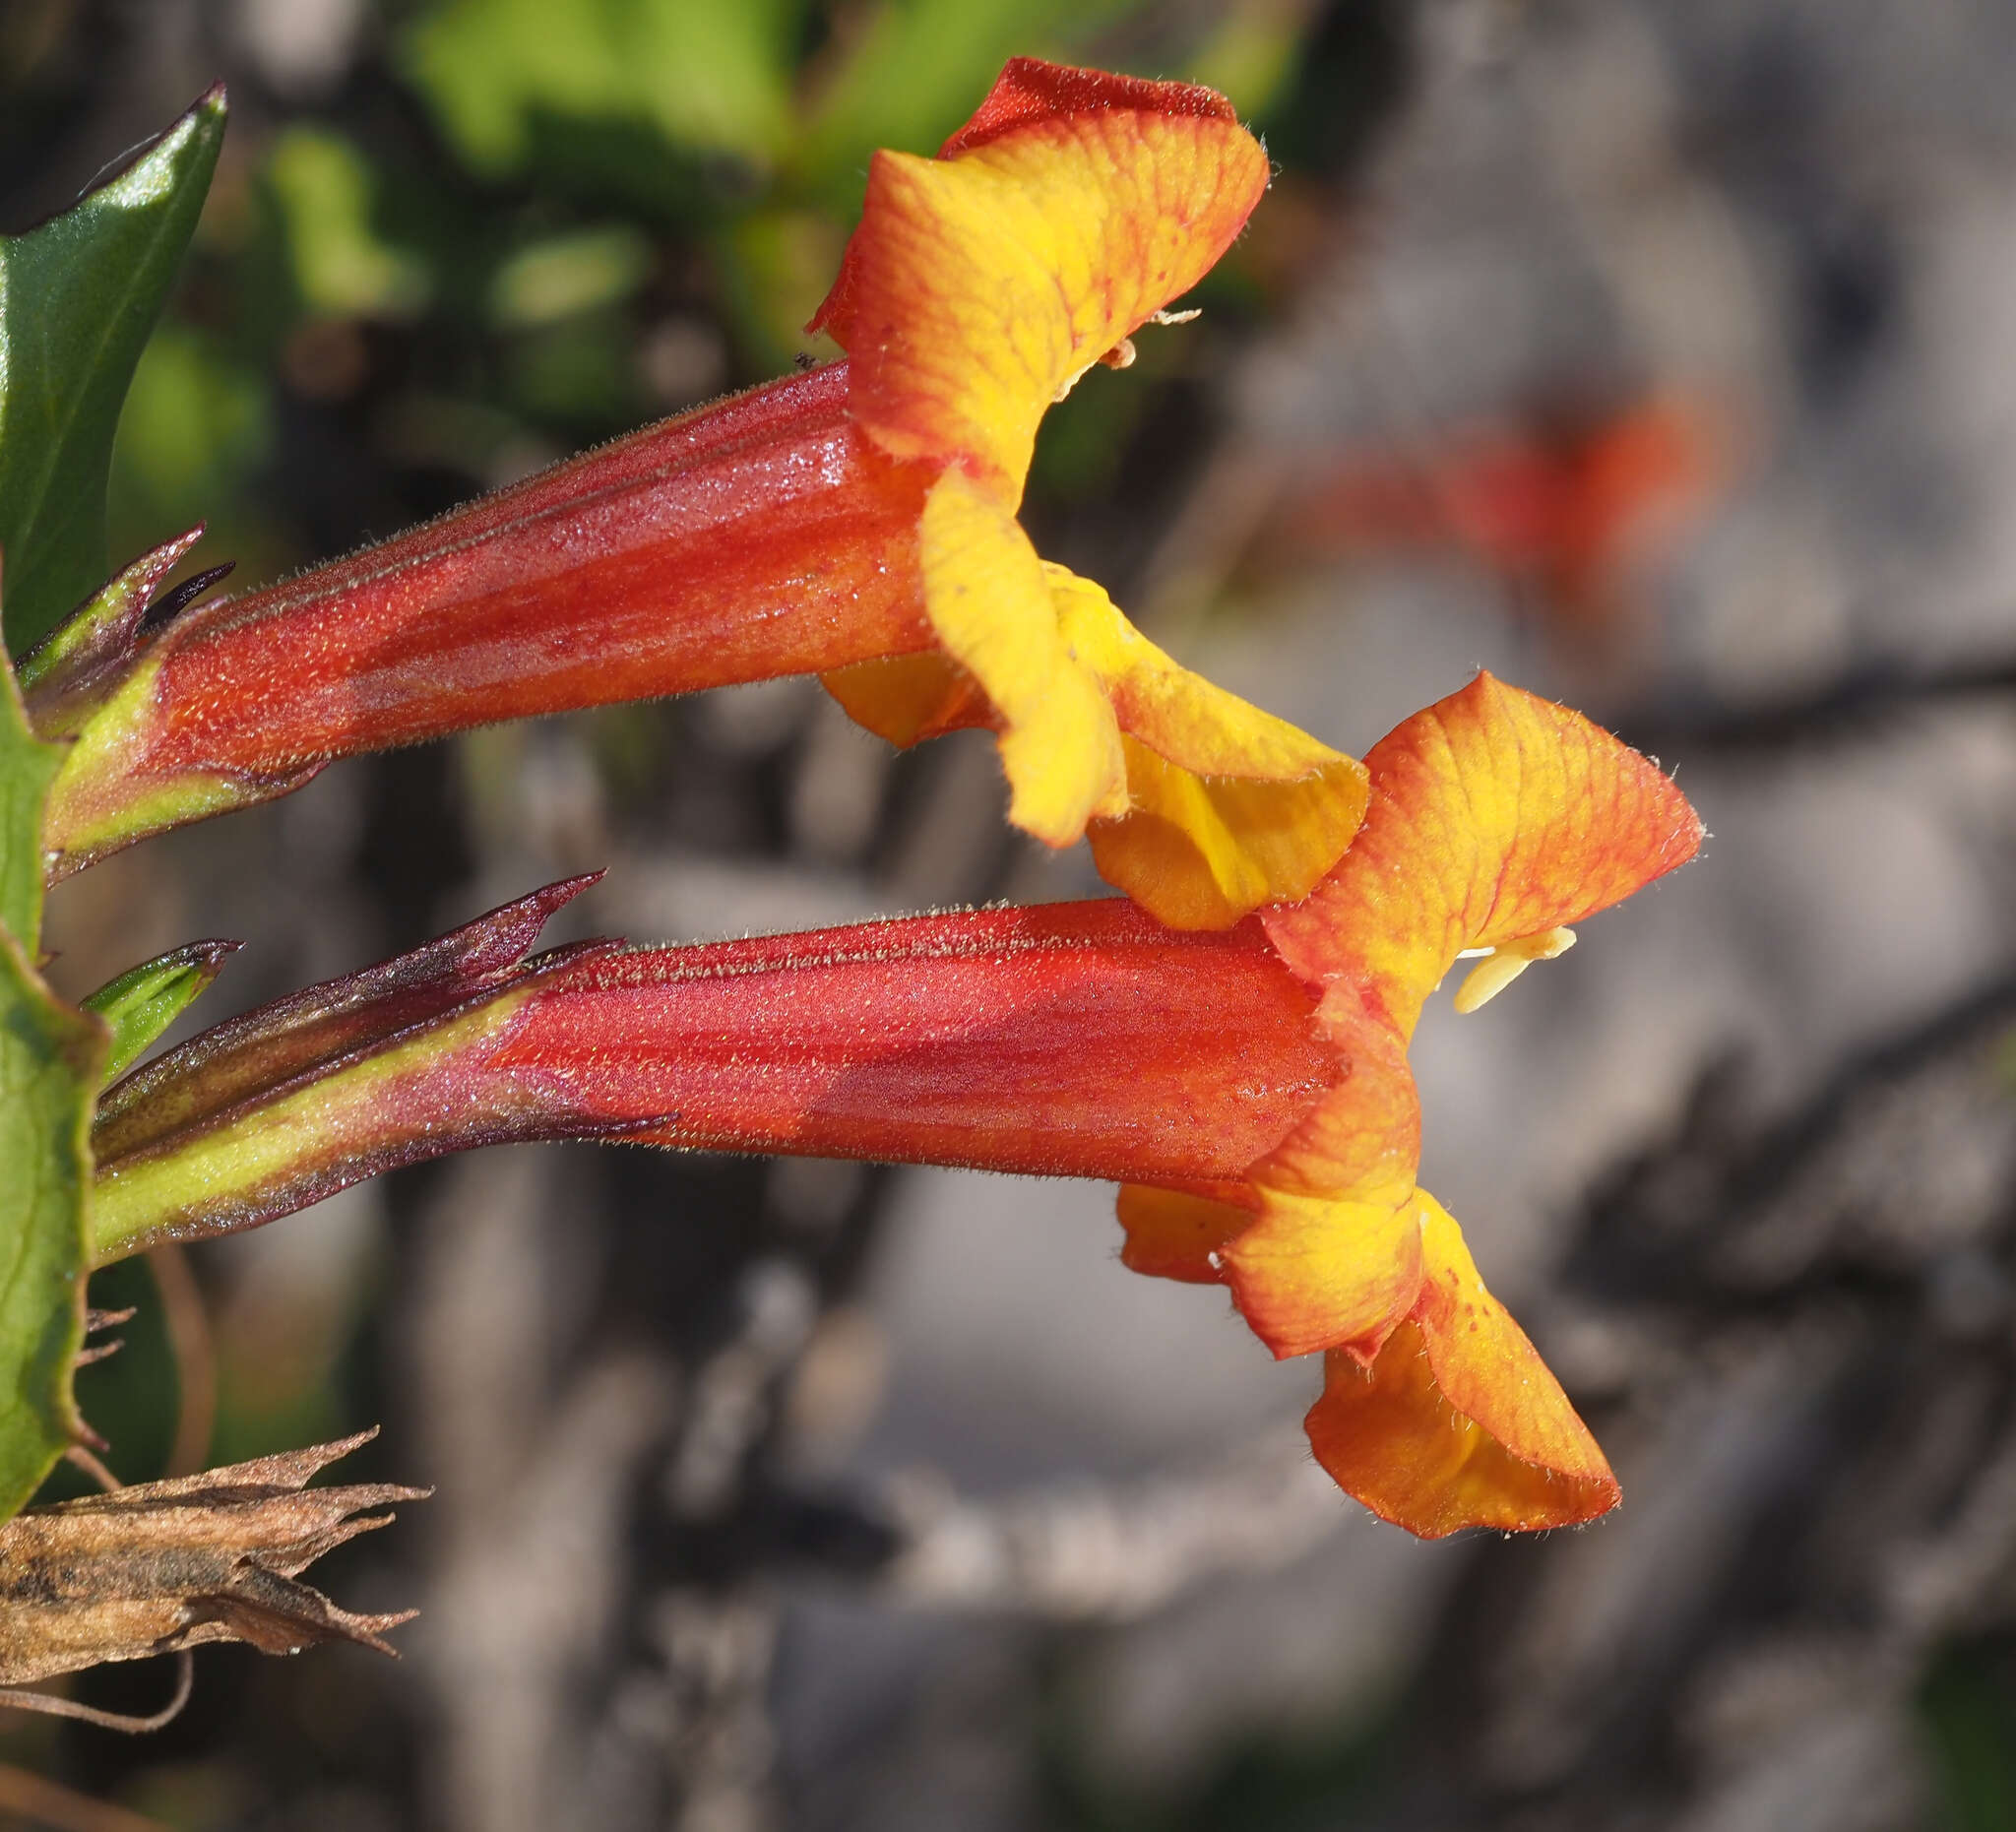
[[1488, 1370], [990, 601], [1178, 1234], [980, 284], [1200, 851], [1458, 1423], [1494, 816], [907, 699], [1362, 1141], [978, 288], [1335, 1252], [1179, 716], [1226, 807], [1229, 807], [1321, 1272], [1335, 1257]]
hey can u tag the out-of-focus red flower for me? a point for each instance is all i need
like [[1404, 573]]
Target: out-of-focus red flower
[[858, 522], [1249, 1086], [1569, 511]]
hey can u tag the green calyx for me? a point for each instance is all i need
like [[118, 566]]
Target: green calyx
[[273, 1154], [139, 1005]]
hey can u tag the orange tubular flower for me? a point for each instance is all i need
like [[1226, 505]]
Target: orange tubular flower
[[858, 522], [1496, 821], [1249, 1087]]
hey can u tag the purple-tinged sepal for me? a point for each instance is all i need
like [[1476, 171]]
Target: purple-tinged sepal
[[68, 673], [269, 1111]]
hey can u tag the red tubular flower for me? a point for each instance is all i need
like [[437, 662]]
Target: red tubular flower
[[857, 521], [1249, 1086], [1082, 1039], [1570, 507]]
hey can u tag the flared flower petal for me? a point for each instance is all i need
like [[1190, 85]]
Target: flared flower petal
[[978, 288], [1457, 1421], [990, 604], [980, 284], [1201, 806], [1495, 820], [1494, 817], [1180, 1234]]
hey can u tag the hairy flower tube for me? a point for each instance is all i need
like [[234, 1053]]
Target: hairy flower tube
[[1249, 1087], [857, 521]]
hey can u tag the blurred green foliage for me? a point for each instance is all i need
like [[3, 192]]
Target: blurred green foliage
[[326, 195], [1968, 1709], [705, 75], [197, 421]]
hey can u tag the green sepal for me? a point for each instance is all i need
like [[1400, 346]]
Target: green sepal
[[100, 632], [79, 295], [51, 1061], [142, 1003]]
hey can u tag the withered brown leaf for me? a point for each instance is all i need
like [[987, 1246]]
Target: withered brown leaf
[[166, 1566]]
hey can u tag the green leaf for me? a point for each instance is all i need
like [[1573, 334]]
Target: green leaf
[[27, 768], [49, 1058], [142, 1003], [49, 1061], [79, 295]]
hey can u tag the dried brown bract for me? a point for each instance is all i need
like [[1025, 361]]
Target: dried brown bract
[[164, 1565]]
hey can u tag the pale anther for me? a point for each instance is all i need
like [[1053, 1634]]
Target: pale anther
[[1504, 964]]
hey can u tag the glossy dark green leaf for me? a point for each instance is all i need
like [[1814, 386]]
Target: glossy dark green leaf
[[79, 295]]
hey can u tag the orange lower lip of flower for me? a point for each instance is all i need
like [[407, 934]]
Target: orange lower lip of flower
[[1496, 821]]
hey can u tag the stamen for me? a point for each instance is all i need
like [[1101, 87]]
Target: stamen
[[1504, 964]]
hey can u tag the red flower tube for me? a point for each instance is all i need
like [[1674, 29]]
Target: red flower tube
[[858, 522], [1081, 1040]]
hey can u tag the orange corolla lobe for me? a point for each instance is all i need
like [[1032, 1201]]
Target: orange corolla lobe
[[979, 286], [1066, 213], [1494, 817]]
